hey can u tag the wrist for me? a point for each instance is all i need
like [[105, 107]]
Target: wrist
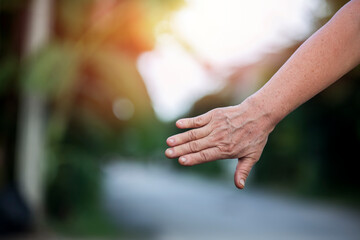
[[263, 109]]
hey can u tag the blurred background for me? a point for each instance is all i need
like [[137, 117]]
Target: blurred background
[[90, 90]]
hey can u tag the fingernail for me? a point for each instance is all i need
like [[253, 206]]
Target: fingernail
[[171, 140], [169, 151], [242, 182], [180, 123], [183, 159]]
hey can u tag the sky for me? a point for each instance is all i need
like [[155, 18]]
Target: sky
[[220, 34]]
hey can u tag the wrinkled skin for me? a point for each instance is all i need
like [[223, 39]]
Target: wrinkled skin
[[233, 132], [242, 131]]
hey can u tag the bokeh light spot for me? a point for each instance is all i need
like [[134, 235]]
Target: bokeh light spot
[[123, 109]]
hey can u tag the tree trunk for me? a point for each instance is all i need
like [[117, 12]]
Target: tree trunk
[[31, 122]]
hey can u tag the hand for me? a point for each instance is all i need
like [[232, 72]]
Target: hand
[[233, 132]]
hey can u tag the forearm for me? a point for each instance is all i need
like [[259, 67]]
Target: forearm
[[241, 131], [326, 56]]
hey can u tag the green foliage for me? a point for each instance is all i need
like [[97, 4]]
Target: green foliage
[[51, 70], [74, 183], [87, 66], [8, 71], [73, 197], [314, 150]]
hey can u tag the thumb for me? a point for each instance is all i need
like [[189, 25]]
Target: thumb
[[242, 171]]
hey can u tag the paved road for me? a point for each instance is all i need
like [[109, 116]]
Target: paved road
[[168, 205]]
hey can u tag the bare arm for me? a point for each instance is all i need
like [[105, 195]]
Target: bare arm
[[325, 57], [241, 131]]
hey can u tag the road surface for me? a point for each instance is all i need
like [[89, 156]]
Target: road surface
[[160, 203]]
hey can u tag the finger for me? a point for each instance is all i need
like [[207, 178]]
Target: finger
[[188, 136], [190, 147], [194, 122], [207, 155], [242, 171]]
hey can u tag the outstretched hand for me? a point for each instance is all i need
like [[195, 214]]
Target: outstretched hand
[[233, 132], [242, 131]]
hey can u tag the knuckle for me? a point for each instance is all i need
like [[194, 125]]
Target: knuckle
[[232, 150], [225, 148], [193, 146], [198, 121], [244, 172], [217, 111], [228, 150], [222, 151], [204, 156], [213, 112], [192, 135]]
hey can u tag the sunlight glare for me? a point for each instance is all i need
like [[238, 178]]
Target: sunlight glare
[[222, 33]]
